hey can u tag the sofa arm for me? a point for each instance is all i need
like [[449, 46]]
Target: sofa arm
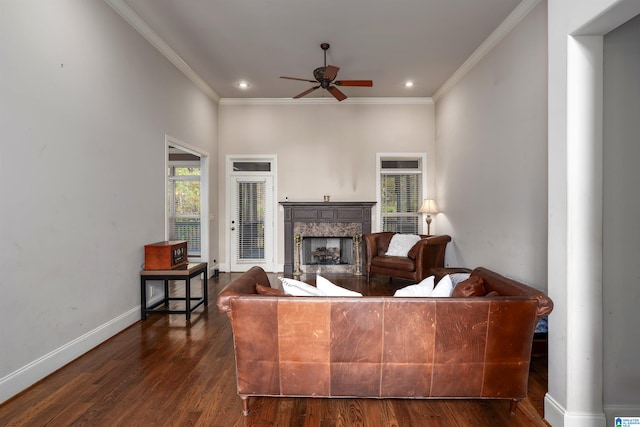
[[243, 285], [506, 286]]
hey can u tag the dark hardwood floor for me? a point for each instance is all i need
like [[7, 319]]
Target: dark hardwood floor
[[165, 372]]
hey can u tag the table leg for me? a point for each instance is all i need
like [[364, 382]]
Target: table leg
[[205, 291], [143, 298], [166, 292], [188, 295]]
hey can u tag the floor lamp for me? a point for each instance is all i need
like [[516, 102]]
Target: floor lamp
[[428, 207]]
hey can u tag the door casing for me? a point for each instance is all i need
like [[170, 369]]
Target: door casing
[[270, 263]]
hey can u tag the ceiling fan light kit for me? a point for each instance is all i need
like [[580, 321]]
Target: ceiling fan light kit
[[325, 76]]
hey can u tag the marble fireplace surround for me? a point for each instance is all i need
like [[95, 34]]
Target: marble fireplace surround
[[323, 219]]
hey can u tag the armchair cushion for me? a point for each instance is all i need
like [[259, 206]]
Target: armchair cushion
[[393, 262], [401, 244]]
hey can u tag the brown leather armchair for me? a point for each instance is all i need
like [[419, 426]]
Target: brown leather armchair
[[428, 253]]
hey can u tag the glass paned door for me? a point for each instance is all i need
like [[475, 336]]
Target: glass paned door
[[251, 222]]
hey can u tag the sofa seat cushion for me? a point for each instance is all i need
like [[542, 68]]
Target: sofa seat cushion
[[393, 262]]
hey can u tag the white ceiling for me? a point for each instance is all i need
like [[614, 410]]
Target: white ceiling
[[387, 41]]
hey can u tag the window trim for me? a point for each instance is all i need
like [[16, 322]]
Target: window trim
[[422, 157], [204, 193]]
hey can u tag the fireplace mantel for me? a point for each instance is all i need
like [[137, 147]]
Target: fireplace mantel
[[321, 212]]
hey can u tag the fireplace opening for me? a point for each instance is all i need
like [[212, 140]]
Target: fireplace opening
[[327, 250]]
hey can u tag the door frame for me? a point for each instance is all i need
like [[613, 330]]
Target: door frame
[[229, 160], [204, 192]]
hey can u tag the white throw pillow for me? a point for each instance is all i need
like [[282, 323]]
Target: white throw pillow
[[299, 289], [443, 288], [401, 244], [422, 289], [333, 290]]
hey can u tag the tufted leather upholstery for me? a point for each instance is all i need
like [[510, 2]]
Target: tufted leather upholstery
[[383, 347], [428, 253]]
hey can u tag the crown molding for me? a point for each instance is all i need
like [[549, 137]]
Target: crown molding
[[328, 101], [494, 38], [152, 37]]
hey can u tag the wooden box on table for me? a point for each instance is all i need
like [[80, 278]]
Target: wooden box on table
[[167, 255]]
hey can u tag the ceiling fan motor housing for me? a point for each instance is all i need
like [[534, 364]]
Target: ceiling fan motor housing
[[318, 73]]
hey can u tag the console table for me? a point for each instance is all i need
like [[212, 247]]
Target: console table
[[185, 273]]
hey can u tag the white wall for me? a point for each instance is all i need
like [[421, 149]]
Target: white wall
[[491, 165], [323, 147], [621, 293], [85, 103], [576, 380]]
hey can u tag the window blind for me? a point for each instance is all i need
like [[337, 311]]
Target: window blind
[[251, 215], [401, 196]]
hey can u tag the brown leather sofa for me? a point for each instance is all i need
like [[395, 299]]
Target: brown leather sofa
[[428, 253], [383, 347]]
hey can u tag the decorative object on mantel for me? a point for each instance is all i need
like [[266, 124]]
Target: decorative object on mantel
[[356, 249], [326, 197], [298, 241], [428, 207]]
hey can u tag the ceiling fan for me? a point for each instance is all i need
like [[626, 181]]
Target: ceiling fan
[[325, 76]]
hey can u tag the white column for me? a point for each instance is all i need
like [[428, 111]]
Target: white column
[[584, 233]]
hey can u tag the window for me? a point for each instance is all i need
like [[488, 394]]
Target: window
[[184, 204], [401, 183]]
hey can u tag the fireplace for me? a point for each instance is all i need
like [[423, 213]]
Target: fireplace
[[324, 236], [327, 251]]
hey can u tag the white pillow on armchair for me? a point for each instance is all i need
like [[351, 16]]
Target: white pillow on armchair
[[401, 244]]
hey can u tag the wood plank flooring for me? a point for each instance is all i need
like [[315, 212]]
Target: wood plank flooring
[[166, 372]]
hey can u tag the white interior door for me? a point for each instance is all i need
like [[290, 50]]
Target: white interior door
[[251, 222]]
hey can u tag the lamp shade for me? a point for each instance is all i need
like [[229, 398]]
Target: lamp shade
[[428, 207]]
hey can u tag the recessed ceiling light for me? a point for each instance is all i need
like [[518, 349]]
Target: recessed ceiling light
[[243, 85], [408, 84]]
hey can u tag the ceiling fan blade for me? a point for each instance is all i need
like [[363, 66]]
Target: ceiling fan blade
[[331, 72], [306, 92], [295, 78], [364, 83], [336, 93]]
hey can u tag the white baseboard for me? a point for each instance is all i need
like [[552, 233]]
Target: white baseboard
[[613, 411], [33, 372], [553, 411], [556, 415], [277, 268]]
